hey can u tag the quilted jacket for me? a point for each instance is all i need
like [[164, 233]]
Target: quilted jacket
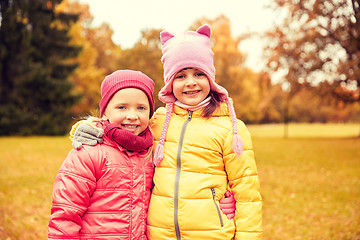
[[198, 166], [101, 192]]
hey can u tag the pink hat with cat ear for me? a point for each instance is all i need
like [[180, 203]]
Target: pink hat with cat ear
[[189, 50]]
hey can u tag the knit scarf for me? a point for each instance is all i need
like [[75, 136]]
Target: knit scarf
[[202, 104], [128, 140]]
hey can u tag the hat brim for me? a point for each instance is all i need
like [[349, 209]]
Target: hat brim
[[166, 93]]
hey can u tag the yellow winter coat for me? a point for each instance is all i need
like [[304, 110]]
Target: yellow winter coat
[[198, 166]]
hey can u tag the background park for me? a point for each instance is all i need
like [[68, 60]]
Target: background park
[[302, 108]]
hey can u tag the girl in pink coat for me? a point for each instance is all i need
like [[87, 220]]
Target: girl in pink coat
[[103, 191]]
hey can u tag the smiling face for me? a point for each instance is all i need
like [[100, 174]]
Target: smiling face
[[191, 86], [129, 109]]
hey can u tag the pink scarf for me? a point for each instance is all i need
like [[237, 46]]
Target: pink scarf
[[128, 140], [202, 104]]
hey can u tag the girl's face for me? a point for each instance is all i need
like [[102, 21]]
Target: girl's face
[[129, 109], [191, 86]]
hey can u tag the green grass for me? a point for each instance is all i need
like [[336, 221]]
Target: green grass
[[305, 130], [310, 185], [310, 188], [28, 166]]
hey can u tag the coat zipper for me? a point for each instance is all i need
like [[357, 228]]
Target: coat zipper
[[217, 207], [177, 177]]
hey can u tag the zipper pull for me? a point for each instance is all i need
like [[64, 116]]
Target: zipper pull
[[190, 114], [213, 193]]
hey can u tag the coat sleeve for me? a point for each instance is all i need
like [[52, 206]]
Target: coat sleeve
[[244, 183], [73, 186]]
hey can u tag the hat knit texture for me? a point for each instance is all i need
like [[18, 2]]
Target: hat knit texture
[[190, 50], [121, 79]]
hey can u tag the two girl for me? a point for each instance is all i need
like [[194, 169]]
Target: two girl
[[202, 149]]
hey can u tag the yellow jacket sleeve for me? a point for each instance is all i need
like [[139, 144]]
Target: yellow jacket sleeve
[[244, 183]]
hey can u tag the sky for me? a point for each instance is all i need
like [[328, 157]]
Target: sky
[[128, 18]]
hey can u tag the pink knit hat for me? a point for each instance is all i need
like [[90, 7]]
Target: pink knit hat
[[126, 79], [190, 50]]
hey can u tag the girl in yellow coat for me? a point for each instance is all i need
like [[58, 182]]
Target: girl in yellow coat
[[201, 149]]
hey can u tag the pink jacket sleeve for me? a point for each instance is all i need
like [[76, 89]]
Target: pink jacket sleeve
[[73, 186]]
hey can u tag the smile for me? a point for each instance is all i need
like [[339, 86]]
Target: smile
[[129, 127], [192, 92]]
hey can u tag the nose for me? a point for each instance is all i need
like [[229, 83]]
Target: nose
[[191, 82], [131, 116]]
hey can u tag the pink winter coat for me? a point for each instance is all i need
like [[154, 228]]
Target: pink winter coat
[[101, 192]]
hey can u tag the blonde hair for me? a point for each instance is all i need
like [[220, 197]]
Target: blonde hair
[[93, 121]]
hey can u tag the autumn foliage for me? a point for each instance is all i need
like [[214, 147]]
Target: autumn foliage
[[257, 96], [316, 48], [315, 51]]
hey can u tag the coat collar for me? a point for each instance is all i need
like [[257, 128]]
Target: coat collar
[[221, 111]]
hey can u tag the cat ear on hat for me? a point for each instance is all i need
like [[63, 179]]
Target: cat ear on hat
[[165, 36], [204, 30]]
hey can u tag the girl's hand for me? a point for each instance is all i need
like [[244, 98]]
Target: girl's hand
[[228, 205], [86, 135]]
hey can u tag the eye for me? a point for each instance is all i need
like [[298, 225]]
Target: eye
[[121, 107], [142, 108], [180, 76], [200, 74]]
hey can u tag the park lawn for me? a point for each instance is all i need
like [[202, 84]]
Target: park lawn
[[310, 185], [305, 130], [28, 166], [310, 188]]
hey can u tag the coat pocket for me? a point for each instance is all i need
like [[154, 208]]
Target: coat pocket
[[217, 207]]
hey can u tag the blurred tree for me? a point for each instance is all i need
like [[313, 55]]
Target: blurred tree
[[315, 104], [145, 57], [270, 108], [241, 82], [35, 95], [88, 76], [318, 41], [108, 53]]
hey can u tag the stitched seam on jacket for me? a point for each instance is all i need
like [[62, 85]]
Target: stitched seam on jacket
[[77, 175]]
